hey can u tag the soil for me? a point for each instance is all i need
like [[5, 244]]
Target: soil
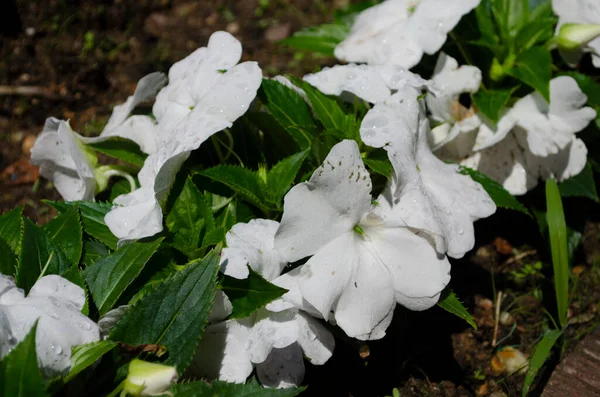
[[76, 59]]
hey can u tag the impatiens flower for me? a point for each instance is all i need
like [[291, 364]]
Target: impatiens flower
[[275, 338], [56, 304], [63, 158], [445, 108], [363, 262], [149, 379], [399, 32], [438, 199], [574, 40], [536, 141], [206, 93], [370, 83]]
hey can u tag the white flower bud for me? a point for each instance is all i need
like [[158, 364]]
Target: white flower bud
[[149, 379], [572, 35]]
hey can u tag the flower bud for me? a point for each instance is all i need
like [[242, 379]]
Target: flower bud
[[572, 35], [149, 379]]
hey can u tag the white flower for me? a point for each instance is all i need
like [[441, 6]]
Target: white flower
[[56, 303], [149, 379], [438, 199], [534, 140], [63, 159], [362, 263], [399, 31], [370, 83], [274, 339], [445, 108], [206, 93], [583, 12]]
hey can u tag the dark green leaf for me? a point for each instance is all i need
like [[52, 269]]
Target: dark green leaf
[[282, 175], [223, 389], [581, 185], [83, 356], [322, 39], [108, 277], [542, 351], [65, 232], [510, 16], [19, 373], [534, 68], [121, 149], [243, 181], [452, 304], [8, 260], [382, 167], [290, 111], [537, 31], [92, 251], [557, 229], [92, 215], [189, 218], [120, 187], [11, 228], [175, 313], [249, 294], [39, 258], [490, 102], [501, 197]]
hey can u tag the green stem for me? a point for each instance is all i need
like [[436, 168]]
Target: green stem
[[117, 390]]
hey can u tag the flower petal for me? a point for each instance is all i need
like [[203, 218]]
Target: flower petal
[[221, 308], [253, 244], [60, 288], [316, 341], [136, 215], [9, 293], [271, 330], [283, 368], [328, 205]]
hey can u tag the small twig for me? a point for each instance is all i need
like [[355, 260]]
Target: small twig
[[519, 257], [26, 91], [497, 318]]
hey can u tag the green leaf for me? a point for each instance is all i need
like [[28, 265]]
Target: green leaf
[[175, 313], [249, 294], [11, 228], [243, 181], [510, 16], [534, 68], [502, 198], [382, 167], [581, 185], [108, 277], [223, 389], [452, 304], [485, 24], [490, 102], [8, 260], [540, 355], [121, 149], [322, 39], [189, 218], [19, 373], [83, 356], [537, 31], [282, 175], [39, 257], [118, 188], [92, 251], [65, 232], [329, 112], [557, 229], [290, 111], [92, 215]]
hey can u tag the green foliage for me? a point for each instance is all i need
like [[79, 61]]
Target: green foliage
[[11, 228], [66, 232], [452, 304], [501, 197], [223, 389], [490, 102], [540, 355], [19, 373], [92, 216], [8, 260], [283, 174], [249, 294], [92, 251], [120, 149], [110, 275], [290, 110], [534, 68], [580, 185], [83, 356], [175, 313], [558, 243], [39, 257], [189, 219], [322, 39]]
